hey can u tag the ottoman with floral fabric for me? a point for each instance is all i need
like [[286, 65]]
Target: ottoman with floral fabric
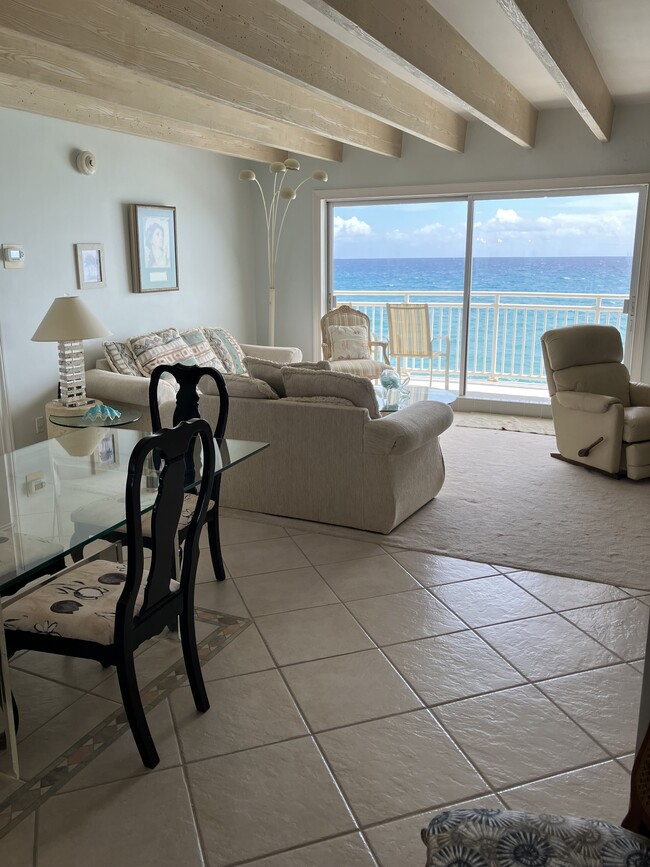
[[491, 837]]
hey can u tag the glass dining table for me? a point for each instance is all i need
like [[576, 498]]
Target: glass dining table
[[59, 495]]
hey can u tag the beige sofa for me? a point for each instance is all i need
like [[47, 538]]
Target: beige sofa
[[327, 462]]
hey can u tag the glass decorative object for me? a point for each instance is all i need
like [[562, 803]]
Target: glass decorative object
[[101, 411]]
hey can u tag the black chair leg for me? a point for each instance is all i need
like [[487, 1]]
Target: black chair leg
[[191, 659], [214, 537], [135, 712], [3, 735]]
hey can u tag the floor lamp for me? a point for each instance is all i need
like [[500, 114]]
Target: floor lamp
[[69, 322]]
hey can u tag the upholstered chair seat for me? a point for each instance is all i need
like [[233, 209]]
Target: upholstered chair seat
[[348, 343]]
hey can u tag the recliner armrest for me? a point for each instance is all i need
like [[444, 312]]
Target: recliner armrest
[[585, 401], [406, 430], [281, 354], [639, 394]]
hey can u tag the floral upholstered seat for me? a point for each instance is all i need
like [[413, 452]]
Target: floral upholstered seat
[[79, 604], [504, 838]]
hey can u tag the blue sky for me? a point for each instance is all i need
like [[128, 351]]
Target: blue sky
[[576, 225]]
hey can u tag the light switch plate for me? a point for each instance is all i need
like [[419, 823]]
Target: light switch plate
[[13, 256]]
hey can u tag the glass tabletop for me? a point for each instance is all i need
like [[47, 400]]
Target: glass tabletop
[[411, 394], [127, 416], [65, 492]]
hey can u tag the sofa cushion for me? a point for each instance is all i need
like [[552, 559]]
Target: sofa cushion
[[348, 342], [240, 385], [201, 349], [636, 424], [229, 353], [119, 358], [302, 382], [271, 371], [160, 347]]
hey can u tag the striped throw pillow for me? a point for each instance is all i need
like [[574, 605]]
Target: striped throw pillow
[[160, 347], [227, 350]]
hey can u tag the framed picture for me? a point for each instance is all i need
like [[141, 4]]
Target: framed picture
[[91, 270], [105, 456], [154, 262]]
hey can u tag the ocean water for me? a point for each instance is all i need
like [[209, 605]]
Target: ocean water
[[579, 275], [524, 313]]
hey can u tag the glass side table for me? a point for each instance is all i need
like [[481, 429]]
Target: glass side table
[[128, 416]]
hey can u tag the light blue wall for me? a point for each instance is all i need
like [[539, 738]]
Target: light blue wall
[[47, 206]]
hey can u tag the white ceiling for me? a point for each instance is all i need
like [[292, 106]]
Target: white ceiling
[[617, 31]]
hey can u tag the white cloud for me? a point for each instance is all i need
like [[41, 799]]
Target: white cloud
[[507, 215], [351, 226], [396, 235], [430, 229]]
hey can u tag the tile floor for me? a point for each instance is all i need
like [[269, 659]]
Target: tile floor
[[370, 687]]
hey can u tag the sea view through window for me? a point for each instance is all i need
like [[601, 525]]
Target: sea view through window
[[526, 264]]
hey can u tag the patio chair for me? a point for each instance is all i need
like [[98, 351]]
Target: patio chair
[[352, 326], [102, 610], [409, 336]]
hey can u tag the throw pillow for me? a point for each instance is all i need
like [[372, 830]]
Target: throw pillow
[[271, 371], [348, 342], [120, 359], [243, 385], [299, 382], [159, 347], [201, 349], [229, 353]]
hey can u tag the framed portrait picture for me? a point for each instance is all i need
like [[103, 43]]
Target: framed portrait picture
[[154, 262], [91, 270], [105, 456]]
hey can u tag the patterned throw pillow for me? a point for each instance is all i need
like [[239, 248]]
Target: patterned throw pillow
[[160, 347], [271, 371], [120, 359], [349, 342], [201, 349], [229, 353]]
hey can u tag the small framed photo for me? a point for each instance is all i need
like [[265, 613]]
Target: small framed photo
[[105, 456], [154, 263], [91, 270]]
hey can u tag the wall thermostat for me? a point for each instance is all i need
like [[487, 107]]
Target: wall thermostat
[[13, 256]]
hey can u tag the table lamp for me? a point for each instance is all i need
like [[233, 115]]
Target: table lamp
[[68, 322]]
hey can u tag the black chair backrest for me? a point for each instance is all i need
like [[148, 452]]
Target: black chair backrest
[[187, 398], [170, 446]]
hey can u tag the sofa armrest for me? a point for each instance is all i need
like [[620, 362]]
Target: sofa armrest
[[406, 430], [585, 401], [281, 354], [640, 394], [112, 387]]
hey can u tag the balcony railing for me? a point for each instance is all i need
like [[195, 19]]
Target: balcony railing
[[504, 327]]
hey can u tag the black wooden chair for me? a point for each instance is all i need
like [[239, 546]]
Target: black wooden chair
[[102, 610], [187, 407]]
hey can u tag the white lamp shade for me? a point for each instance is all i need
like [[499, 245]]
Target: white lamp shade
[[69, 319]]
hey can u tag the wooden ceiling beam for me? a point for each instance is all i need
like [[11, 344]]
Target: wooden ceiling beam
[[120, 33], [551, 31], [273, 36], [51, 101], [56, 66], [413, 35]]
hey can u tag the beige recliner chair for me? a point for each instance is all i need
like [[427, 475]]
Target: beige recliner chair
[[602, 420]]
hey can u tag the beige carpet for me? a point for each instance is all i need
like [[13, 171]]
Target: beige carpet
[[505, 501]]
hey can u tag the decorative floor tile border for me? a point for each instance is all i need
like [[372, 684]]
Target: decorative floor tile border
[[34, 792]]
